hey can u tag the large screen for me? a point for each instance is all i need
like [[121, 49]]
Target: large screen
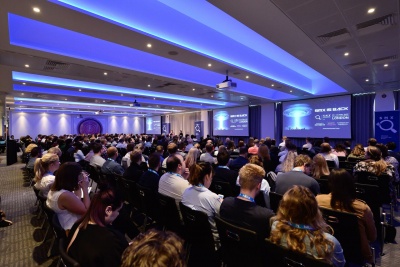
[[153, 125], [231, 121], [317, 118]]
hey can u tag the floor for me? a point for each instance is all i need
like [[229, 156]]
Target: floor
[[20, 244]]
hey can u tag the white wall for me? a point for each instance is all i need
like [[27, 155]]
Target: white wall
[[268, 120], [384, 101], [23, 123]]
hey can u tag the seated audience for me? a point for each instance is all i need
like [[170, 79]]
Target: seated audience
[[44, 172], [192, 157], [208, 155], [242, 210], [308, 144], [172, 183], [126, 160], [135, 170], [358, 153], [151, 178], [78, 154], [391, 146], [339, 150], [297, 176], [111, 166], [343, 198], [222, 172], [263, 153], [374, 163], [289, 147], [198, 197], [65, 195], [299, 226], [97, 160], [240, 161], [319, 167], [326, 151], [288, 164], [172, 149], [155, 248], [389, 160], [35, 153], [92, 240]]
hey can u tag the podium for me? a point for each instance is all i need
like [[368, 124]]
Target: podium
[[12, 149]]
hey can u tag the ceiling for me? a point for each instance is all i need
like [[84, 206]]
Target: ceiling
[[82, 56]]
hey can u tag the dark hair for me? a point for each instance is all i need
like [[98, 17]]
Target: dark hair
[[339, 147], [172, 163], [172, 148], [198, 171], [154, 160], [97, 148], [130, 147], [391, 145], [67, 177], [343, 191], [384, 150], [243, 150], [223, 158], [372, 142], [99, 202], [209, 147], [35, 152], [325, 148]]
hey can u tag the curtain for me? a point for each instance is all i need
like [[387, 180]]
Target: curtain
[[184, 122], [255, 122], [278, 122], [362, 118], [396, 100], [210, 123]]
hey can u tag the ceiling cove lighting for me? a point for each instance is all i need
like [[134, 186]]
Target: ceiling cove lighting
[[250, 53], [33, 34], [28, 100], [28, 77]]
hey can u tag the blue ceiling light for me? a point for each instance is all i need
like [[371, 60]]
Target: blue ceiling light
[[203, 22], [33, 34], [53, 91], [84, 105]]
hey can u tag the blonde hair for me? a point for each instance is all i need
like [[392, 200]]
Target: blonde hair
[[42, 165], [288, 163], [191, 157], [374, 155], [55, 150], [299, 206], [250, 175], [319, 166]]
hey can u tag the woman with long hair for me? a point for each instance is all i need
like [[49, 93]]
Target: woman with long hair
[[358, 152], [192, 157], [389, 160], [288, 164], [374, 163], [199, 197], [326, 151], [64, 198], [92, 242], [44, 169], [339, 150], [343, 198], [263, 153], [319, 168], [299, 226]]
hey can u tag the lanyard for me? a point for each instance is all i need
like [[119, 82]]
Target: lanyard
[[177, 174], [153, 171], [224, 167], [247, 197], [297, 170], [300, 226], [111, 159]]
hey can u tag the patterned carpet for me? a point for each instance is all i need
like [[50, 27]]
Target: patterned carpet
[[20, 243]]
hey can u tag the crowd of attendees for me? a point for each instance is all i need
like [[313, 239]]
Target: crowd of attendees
[[184, 168]]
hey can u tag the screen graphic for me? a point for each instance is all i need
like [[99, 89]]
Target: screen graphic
[[318, 118], [153, 125], [231, 122]]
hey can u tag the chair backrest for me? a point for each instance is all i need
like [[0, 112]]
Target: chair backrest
[[323, 186], [221, 188], [57, 229], [169, 214], [147, 201], [240, 246], [278, 256], [274, 200], [94, 173], [342, 158], [128, 191], [65, 258], [382, 181], [197, 229], [346, 231], [370, 194], [331, 164], [347, 165]]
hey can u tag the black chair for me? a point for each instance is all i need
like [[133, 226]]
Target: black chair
[[331, 164], [346, 231], [147, 203], [221, 188], [341, 159], [278, 256], [274, 200], [169, 216], [240, 246], [382, 181], [129, 194], [199, 235], [323, 186], [347, 165], [50, 214], [65, 259], [94, 175]]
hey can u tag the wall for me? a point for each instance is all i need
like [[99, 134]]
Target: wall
[[23, 123], [268, 120], [384, 101]]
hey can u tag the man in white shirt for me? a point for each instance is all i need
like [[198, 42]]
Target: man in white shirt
[[282, 146], [308, 144]]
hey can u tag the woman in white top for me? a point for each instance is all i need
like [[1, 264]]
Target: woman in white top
[[65, 196], [44, 169], [326, 151], [78, 154], [199, 197]]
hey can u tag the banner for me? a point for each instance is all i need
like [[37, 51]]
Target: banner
[[199, 129], [387, 127], [165, 128]]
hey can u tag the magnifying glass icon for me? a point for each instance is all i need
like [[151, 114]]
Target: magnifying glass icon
[[318, 117], [379, 124]]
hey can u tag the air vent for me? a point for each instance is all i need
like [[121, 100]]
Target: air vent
[[391, 85], [55, 66], [324, 38], [355, 65], [384, 20], [385, 59], [166, 85]]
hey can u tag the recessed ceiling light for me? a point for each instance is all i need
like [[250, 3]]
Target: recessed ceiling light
[[24, 83], [22, 93], [194, 89], [212, 96], [209, 64], [66, 99], [386, 65], [104, 101], [149, 45], [367, 80], [148, 85], [105, 73], [371, 10], [180, 101], [247, 77], [154, 98], [36, 9], [122, 94], [346, 54], [291, 91], [80, 90], [272, 85], [26, 66]]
